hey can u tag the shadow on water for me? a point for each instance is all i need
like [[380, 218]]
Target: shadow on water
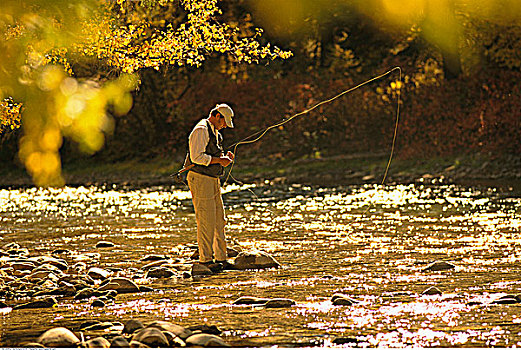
[[372, 243]]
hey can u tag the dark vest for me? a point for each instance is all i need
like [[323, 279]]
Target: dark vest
[[214, 149]]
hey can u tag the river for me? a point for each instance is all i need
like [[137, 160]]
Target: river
[[372, 243]]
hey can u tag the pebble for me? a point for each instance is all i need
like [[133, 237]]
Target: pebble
[[44, 303], [97, 273], [120, 284]]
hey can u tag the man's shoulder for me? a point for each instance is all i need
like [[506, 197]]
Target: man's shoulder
[[201, 124]]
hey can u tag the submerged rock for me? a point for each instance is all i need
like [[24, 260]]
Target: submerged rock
[[120, 284], [58, 337], [206, 341], [342, 300], [151, 337], [250, 301], [105, 244], [279, 303], [98, 343], [440, 266], [255, 260], [432, 291], [47, 302]]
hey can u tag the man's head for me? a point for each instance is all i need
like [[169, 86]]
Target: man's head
[[222, 114]]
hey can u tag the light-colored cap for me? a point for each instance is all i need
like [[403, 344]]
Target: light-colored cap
[[226, 111]]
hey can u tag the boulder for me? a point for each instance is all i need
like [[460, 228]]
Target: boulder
[[206, 341], [175, 329], [58, 337], [97, 273], [151, 337], [255, 260], [98, 342], [132, 325], [154, 257], [119, 342], [120, 284], [440, 266]]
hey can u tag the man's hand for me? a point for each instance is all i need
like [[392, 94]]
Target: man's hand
[[230, 155], [225, 160]]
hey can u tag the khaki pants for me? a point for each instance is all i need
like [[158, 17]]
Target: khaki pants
[[209, 214]]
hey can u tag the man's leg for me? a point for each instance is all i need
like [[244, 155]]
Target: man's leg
[[203, 194], [219, 240]]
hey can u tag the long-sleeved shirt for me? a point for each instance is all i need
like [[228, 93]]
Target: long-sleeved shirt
[[198, 140]]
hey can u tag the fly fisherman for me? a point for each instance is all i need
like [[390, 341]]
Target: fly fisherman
[[206, 154]]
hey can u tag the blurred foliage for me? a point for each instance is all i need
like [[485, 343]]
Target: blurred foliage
[[44, 42]]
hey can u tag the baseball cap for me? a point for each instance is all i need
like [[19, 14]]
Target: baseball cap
[[226, 112]]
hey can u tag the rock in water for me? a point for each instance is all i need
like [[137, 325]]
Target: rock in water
[[432, 291], [119, 342], [47, 302], [206, 341], [440, 266], [152, 337], [97, 273], [132, 325], [201, 270], [120, 284], [279, 303], [105, 244], [175, 329], [59, 337], [255, 260], [98, 343], [250, 301], [160, 272]]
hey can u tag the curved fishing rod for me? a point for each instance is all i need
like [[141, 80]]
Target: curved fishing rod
[[262, 132]]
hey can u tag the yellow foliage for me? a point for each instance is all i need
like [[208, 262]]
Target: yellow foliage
[[40, 38]]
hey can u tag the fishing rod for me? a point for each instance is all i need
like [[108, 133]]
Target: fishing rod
[[262, 132]]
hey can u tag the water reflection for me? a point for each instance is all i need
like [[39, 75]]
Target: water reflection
[[370, 242]]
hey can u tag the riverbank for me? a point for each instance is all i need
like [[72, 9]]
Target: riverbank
[[320, 171]]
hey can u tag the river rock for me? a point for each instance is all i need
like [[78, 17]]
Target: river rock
[[505, 301], [154, 257], [120, 284], [279, 303], [255, 260], [97, 303], [160, 272], [440, 266], [59, 263], [119, 342], [342, 300], [97, 326], [250, 301], [44, 303], [98, 342], [151, 337], [155, 263], [432, 291], [105, 244], [85, 293], [200, 270], [33, 345], [179, 331], [97, 273], [203, 328], [206, 341], [58, 337], [131, 326], [173, 340]]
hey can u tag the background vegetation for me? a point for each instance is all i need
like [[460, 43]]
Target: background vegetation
[[461, 63]]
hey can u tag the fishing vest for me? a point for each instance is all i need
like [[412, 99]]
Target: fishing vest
[[214, 149]]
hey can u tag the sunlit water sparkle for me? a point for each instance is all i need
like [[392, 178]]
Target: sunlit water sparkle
[[370, 242]]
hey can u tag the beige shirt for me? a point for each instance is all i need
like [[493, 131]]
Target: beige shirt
[[198, 140]]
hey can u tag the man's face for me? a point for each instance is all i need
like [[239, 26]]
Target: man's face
[[221, 123]]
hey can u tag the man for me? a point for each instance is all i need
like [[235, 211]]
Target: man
[[206, 154]]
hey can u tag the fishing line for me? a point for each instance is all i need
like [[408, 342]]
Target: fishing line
[[263, 132]]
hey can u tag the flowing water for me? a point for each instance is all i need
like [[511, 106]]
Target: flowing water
[[370, 242]]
